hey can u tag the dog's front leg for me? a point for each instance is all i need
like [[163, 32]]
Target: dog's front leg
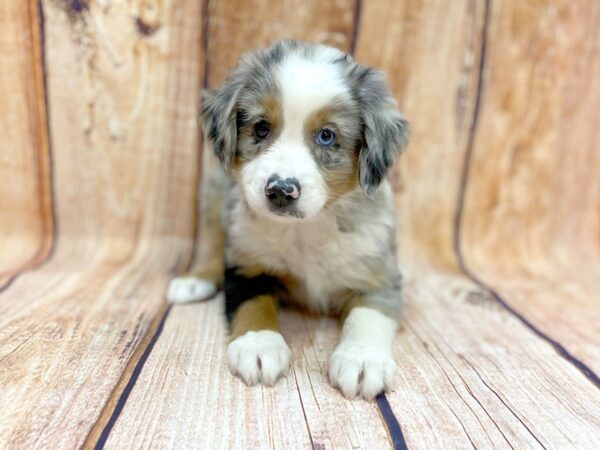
[[363, 364], [257, 351]]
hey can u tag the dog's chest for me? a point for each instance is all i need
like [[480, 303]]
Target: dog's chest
[[323, 259]]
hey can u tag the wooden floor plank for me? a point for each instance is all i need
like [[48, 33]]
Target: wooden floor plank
[[333, 421], [25, 211], [563, 304], [186, 397], [64, 343], [471, 374]]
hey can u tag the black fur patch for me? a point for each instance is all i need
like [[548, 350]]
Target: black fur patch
[[239, 289]]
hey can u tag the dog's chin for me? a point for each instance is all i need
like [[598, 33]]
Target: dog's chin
[[286, 216], [282, 215], [289, 215]]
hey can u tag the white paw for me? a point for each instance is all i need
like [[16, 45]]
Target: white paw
[[359, 369], [259, 355], [190, 289]]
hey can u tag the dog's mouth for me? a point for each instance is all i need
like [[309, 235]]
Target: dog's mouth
[[286, 213]]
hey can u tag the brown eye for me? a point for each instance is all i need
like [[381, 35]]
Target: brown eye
[[262, 129]]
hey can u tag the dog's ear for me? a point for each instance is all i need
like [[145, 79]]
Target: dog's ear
[[219, 119], [385, 131]]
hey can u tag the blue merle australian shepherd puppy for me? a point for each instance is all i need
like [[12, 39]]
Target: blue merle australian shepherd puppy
[[300, 211]]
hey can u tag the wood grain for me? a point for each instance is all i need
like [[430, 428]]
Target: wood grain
[[531, 222], [25, 208], [430, 52], [508, 90], [125, 140], [236, 27], [468, 385], [471, 375], [186, 397]]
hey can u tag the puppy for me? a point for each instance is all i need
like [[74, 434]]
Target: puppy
[[300, 210]]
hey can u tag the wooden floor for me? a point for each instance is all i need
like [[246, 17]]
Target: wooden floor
[[101, 370], [498, 198]]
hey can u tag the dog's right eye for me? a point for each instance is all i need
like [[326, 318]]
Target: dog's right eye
[[262, 129]]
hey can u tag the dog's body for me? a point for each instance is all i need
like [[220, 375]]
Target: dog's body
[[306, 214]]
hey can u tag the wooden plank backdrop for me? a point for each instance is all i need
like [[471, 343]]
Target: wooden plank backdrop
[[25, 211], [498, 203]]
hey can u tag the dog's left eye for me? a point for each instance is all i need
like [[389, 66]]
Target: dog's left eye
[[262, 129], [325, 137]]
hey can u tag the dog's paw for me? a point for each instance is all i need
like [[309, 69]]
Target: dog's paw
[[363, 370], [259, 355], [190, 289]]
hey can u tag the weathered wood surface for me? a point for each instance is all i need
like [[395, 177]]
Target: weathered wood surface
[[186, 382], [234, 28], [25, 214], [462, 382], [482, 378], [480, 390], [90, 354], [531, 221], [430, 52], [124, 141]]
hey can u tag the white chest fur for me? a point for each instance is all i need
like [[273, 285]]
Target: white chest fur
[[323, 256]]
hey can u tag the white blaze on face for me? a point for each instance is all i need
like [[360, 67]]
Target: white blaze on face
[[306, 86]]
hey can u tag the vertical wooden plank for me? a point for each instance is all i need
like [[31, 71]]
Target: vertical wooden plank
[[531, 222], [333, 421], [462, 377], [236, 27], [115, 155], [25, 204], [123, 90], [430, 52]]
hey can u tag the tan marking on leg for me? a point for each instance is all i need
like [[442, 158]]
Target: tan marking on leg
[[212, 270], [259, 313]]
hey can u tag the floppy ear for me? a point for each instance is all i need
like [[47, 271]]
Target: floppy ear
[[385, 131], [219, 120]]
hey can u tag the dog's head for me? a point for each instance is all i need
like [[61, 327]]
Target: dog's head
[[300, 125]]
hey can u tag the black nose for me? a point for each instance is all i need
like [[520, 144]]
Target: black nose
[[282, 193]]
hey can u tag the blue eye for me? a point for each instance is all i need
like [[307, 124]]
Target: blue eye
[[325, 137]]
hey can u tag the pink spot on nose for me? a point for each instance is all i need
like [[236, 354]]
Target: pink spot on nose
[[272, 184], [292, 191]]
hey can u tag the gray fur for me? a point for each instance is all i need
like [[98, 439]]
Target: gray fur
[[226, 109], [371, 126], [385, 131]]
